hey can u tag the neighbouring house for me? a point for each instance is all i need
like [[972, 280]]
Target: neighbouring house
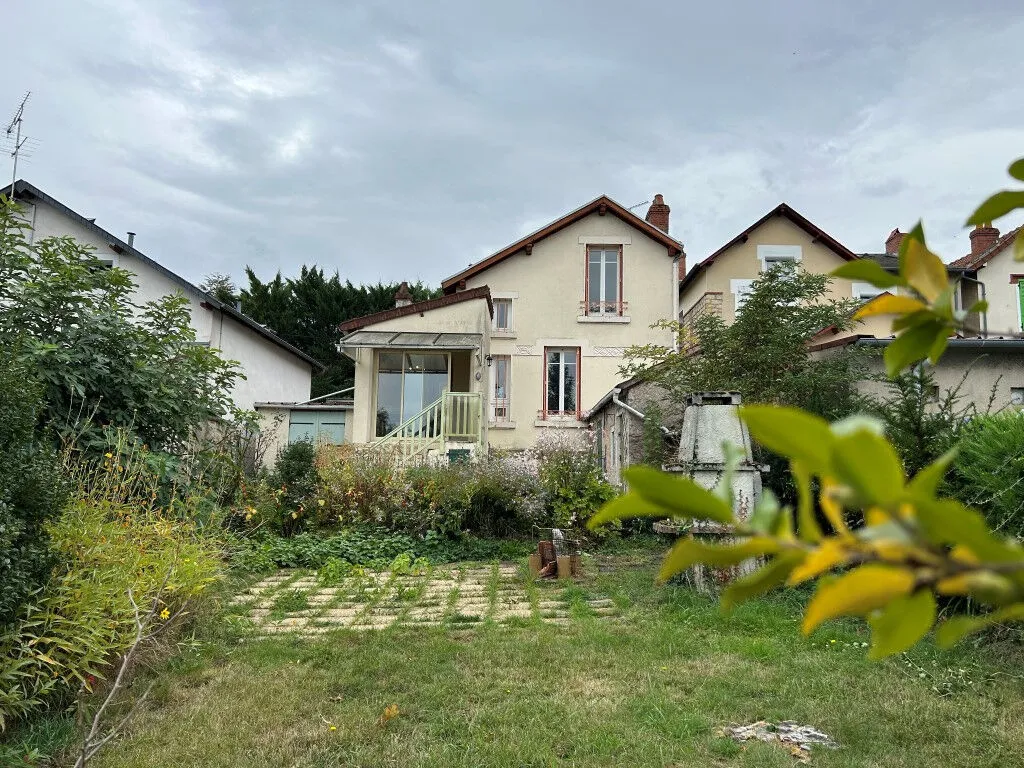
[[720, 283], [989, 272], [521, 342], [989, 372], [275, 371]]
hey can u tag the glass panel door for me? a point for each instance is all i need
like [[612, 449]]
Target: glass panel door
[[406, 384]]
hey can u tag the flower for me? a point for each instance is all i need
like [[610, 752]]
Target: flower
[[334, 728], [109, 455], [165, 614]]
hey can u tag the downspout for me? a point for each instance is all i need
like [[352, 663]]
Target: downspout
[[630, 409]]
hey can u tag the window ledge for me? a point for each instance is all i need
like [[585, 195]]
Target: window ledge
[[559, 422], [602, 319], [501, 425], [496, 334]]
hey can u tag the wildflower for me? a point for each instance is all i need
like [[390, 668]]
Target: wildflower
[[832, 641], [165, 614], [334, 728], [109, 455]]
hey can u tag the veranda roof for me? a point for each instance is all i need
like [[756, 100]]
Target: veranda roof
[[410, 340]]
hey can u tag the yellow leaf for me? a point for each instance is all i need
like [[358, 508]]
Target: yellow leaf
[[993, 586], [875, 516], [857, 593], [831, 508], [924, 270], [829, 554], [888, 304]]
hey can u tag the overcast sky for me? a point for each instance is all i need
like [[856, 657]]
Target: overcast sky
[[405, 139]]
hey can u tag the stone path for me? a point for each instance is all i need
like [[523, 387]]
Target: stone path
[[452, 596]]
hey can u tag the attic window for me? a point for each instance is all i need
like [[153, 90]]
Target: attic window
[[866, 291], [772, 255]]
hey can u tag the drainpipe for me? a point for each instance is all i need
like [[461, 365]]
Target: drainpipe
[[984, 315], [615, 399]]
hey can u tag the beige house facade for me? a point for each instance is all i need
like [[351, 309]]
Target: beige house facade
[[990, 272], [532, 336]]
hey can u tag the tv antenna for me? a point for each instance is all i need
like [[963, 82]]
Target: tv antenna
[[16, 141]]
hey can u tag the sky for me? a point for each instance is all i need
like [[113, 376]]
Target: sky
[[403, 140]]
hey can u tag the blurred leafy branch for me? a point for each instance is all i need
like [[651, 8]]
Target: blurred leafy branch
[[914, 545]]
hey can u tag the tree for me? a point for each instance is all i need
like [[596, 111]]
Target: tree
[[221, 287], [104, 362], [307, 310], [915, 544], [763, 354], [31, 489]]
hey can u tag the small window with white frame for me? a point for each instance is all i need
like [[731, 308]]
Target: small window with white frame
[[866, 291], [501, 380], [740, 290], [773, 255], [503, 321]]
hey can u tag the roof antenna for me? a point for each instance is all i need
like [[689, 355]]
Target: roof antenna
[[15, 127], [645, 202]]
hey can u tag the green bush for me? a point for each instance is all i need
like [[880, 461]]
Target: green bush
[[107, 541], [31, 492], [989, 470], [571, 479]]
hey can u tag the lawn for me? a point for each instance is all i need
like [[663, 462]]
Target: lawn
[[646, 687]]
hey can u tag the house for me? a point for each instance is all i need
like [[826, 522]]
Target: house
[[275, 371], [623, 421], [989, 272], [721, 282], [521, 342]]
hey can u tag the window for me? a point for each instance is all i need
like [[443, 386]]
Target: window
[[500, 377], [407, 382], [604, 280], [740, 290], [561, 387], [503, 315], [326, 426], [866, 291], [772, 255]]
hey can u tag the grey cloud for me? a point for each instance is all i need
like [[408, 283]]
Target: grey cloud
[[403, 139]]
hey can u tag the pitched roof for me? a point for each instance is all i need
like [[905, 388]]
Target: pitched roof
[[970, 262], [416, 307], [22, 189], [784, 210], [601, 205], [890, 262]]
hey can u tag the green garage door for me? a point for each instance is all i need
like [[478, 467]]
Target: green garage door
[[317, 426]]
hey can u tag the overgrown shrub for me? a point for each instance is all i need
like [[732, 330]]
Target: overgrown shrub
[[108, 540], [507, 496], [989, 470], [31, 491], [295, 474], [571, 477]]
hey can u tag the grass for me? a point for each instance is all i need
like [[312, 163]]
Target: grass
[[646, 689]]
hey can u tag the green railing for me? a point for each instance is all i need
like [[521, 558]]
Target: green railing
[[455, 416]]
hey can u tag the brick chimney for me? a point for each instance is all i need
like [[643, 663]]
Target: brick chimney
[[983, 237], [893, 242], [657, 214], [402, 297]]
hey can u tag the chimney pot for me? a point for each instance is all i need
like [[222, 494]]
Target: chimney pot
[[403, 297], [657, 214], [983, 237], [131, 239], [894, 241]]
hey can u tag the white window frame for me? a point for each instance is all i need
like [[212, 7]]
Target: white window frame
[[510, 318], [769, 255], [866, 291], [740, 290], [507, 417]]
